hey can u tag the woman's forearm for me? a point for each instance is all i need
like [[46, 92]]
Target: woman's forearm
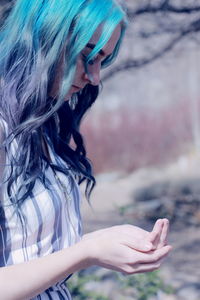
[[26, 280], [123, 248]]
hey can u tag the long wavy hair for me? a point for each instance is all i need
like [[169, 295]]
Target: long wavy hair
[[31, 40]]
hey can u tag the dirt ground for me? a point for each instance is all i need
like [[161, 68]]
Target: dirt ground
[[115, 191]]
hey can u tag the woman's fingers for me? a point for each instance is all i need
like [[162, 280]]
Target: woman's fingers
[[158, 236], [143, 268], [148, 261], [153, 256], [155, 234], [164, 234], [145, 241], [138, 244]]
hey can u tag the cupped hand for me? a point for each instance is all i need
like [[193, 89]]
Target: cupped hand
[[127, 248], [142, 240]]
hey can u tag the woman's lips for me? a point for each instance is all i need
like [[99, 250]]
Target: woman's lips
[[76, 87]]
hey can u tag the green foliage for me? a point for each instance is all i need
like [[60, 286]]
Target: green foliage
[[146, 285], [77, 288], [123, 209], [139, 286]]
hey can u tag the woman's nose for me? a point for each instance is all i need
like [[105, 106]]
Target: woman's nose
[[93, 74]]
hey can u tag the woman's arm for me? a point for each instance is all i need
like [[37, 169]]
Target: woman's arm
[[26, 280], [113, 248], [121, 248]]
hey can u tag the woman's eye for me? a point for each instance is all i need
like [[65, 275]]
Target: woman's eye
[[91, 61], [84, 57]]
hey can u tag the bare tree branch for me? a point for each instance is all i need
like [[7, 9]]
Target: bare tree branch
[[165, 7], [138, 63], [181, 22]]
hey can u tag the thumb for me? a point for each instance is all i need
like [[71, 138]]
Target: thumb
[[139, 245], [156, 233]]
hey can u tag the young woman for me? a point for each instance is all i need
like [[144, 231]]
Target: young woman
[[51, 53]]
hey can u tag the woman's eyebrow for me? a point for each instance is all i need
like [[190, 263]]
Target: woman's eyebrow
[[92, 46]]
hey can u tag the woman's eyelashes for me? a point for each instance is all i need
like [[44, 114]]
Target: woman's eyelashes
[[91, 61], [98, 58]]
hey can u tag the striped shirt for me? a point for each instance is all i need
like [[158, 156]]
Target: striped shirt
[[48, 222]]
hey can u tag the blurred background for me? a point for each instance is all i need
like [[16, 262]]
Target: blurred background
[[143, 137]]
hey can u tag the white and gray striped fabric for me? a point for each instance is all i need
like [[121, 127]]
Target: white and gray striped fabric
[[48, 222]]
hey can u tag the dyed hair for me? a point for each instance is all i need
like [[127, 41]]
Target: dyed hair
[[31, 40]]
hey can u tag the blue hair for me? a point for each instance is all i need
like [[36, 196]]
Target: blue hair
[[31, 41]]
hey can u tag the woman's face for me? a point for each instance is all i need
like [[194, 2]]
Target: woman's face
[[81, 78]]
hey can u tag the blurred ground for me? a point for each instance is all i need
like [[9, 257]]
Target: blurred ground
[[134, 198]]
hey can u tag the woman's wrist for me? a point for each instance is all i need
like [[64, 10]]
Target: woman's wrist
[[87, 249]]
